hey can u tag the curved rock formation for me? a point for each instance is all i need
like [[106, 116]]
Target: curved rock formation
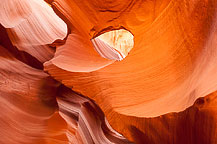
[[164, 91], [86, 122], [30, 114], [31, 25], [27, 101]]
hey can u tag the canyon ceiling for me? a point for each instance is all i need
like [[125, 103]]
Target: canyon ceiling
[[108, 71]]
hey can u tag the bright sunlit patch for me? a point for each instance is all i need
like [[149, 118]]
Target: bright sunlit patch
[[114, 45]]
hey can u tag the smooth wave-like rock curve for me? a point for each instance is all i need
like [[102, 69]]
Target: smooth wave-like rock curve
[[30, 113], [173, 61], [32, 24], [78, 55], [167, 68], [27, 102], [164, 91], [86, 122], [196, 125]]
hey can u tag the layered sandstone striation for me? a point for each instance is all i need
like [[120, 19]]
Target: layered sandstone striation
[[108, 71]]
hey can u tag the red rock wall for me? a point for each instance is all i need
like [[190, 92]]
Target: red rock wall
[[56, 88]]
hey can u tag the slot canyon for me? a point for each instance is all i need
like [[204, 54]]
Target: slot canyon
[[108, 72]]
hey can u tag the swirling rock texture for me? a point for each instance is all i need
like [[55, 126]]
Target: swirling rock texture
[[106, 71]]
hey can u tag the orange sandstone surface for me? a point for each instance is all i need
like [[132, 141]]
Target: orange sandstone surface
[[108, 71]]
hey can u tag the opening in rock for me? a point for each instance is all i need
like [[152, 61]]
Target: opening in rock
[[115, 44]]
